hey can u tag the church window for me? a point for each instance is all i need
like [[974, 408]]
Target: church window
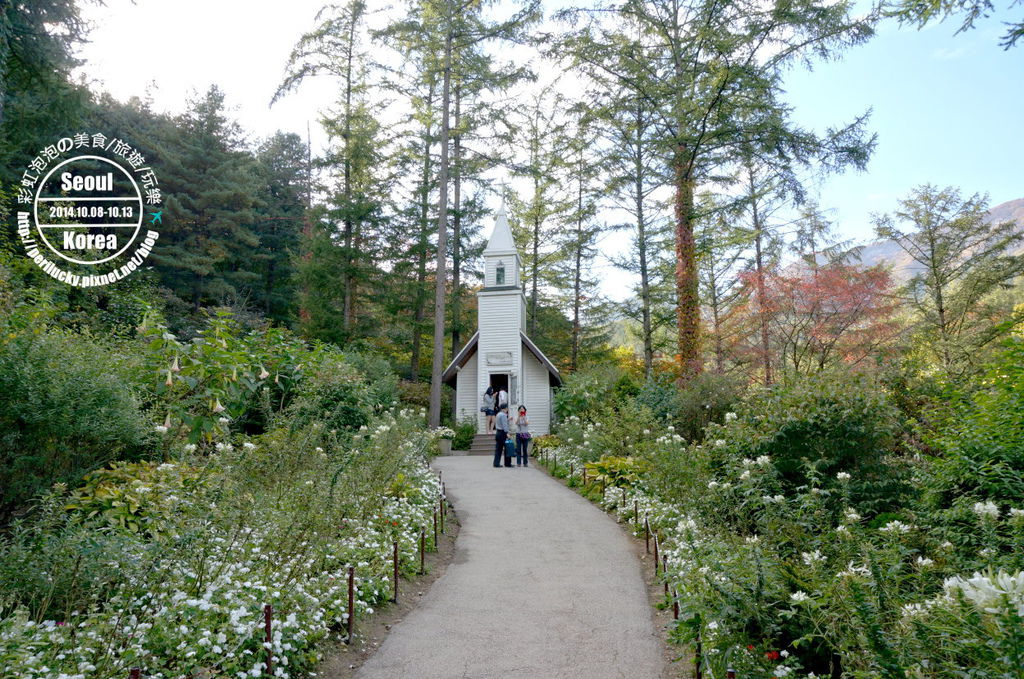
[[499, 274]]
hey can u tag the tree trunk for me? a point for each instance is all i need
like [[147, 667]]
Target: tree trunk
[[535, 265], [349, 281], [577, 273], [641, 230], [687, 292], [420, 300], [759, 276], [457, 227], [440, 276], [457, 237]]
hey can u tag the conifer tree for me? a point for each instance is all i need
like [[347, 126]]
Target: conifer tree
[[711, 72], [207, 242], [960, 259]]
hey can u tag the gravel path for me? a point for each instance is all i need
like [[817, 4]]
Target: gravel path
[[543, 585]]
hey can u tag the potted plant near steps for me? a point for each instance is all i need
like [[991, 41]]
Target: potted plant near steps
[[444, 440]]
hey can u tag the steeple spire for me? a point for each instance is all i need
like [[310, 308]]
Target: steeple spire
[[501, 241]]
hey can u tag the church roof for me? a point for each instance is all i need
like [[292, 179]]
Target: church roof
[[501, 241], [451, 373]]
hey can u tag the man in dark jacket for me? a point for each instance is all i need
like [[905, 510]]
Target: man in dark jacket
[[500, 434]]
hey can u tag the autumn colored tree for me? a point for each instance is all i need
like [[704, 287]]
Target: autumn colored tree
[[834, 314]]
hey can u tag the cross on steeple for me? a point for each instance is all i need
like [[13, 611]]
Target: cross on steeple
[[504, 191]]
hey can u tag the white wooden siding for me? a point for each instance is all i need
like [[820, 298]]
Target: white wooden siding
[[499, 323], [467, 399], [511, 261], [537, 394]]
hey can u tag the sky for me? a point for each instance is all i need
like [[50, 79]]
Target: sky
[[948, 109]]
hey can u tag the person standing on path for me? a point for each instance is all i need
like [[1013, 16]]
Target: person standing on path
[[487, 407], [500, 436], [522, 438]]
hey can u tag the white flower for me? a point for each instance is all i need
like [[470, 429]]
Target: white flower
[[843, 476], [753, 539], [773, 499], [895, 527], [1016, 513], [160, 429], [912, 610], [784, 654], [853, 570], [987, 509], [852, 515], [713, 484], [990, 594], [249, 445], [782, 671], [763, 460], [745, 475], [812, 558], [842, 530], [223, 420], [190, 447], [729, 417], [799, 597], [719, 442], [923, 561]]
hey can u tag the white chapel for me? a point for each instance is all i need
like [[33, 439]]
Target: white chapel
[[499, 353]]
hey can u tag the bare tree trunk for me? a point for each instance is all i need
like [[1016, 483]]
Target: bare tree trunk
[[457, 237], [535, 265], [420, 300], [641, 230], [457, 227], [759, 276], [577, 277], [348, 311], [441, 277]]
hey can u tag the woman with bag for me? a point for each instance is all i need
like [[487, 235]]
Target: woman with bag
[[522, 438], [487, 408]]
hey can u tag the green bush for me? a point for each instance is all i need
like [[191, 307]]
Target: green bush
[[982, 446], [335, 395], [821, 426], [585, 392], [465, 431], [65, 410], [705, 399]]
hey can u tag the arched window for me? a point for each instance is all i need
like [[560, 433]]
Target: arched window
[[499, 274]]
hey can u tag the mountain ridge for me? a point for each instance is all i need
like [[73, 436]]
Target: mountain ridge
[[903, 267]]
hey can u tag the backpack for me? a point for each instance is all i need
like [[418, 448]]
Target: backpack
[[510, 448]]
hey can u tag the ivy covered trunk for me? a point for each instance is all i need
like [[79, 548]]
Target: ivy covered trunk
[[687, 296]]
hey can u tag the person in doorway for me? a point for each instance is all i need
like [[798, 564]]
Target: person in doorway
[[488, 408], [500, 436], [502, 398], [522, 438]]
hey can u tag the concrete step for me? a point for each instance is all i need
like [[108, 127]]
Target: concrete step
[[483, 444]]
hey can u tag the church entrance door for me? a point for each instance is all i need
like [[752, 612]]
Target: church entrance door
[[499, 381]]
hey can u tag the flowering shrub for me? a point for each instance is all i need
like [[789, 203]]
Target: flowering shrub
[[133, 496], [786, 561], [275, 521]]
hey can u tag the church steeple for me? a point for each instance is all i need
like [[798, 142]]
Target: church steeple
[[502, 267], [501, 242]]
